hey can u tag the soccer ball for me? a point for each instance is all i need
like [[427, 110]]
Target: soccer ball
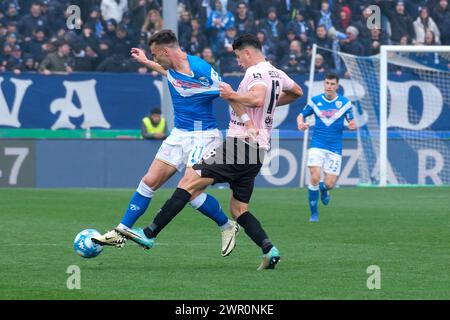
[[84, 245]]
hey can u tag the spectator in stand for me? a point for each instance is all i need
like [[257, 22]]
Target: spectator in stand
[[184, 27], [226, 54], [12, 14], [232, 5], [208, 56], [352, 45], [95, 19], [422, 25], [197, 40], [244, 20], [430, 39], [104, 49], [322, 40], [345, 19], [292, 65], [153, 23], [405, 40], [15, 61], [401, 21], [361, 25], [295, 48], [113, 9], [37, 46], [3, 32], [58, 6], [122, 44], [218, 21], [139, 10], [268, 47], [133, 34], [273, 26], [260, 9], [87, 37], [441, 15], [59, 61], [57, 15], [81, 61], [109, 33], [30, 65], [5, 55], [11, 39], [300, 25], [323, 17], [320, 65], [33, 20], [377, 39], [290, 36]]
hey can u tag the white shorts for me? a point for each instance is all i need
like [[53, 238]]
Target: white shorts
[[185, 148], [329, 161]]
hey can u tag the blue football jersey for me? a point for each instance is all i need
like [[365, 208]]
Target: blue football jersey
[[329, 115], [193, 95]]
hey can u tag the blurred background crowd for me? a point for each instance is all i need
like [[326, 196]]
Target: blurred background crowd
[[34, 35]]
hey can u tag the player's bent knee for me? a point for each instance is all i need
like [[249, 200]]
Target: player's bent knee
[[151, 182], [191, 182], [315, 181], [329, 185]]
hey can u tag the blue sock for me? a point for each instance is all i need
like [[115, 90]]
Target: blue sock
[[322, 187], [138, 205], [210, 207], [313, 197]]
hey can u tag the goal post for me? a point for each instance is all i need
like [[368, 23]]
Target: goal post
[[401, 100], [306, 132]]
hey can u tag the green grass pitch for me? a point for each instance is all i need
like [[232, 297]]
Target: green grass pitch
[[404, 231]]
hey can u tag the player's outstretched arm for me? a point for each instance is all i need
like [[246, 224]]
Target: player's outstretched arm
[[302, 125], [290, 95], [254, 98], [239, 109], [139, 55]]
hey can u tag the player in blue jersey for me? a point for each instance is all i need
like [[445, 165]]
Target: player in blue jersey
[[325, 154], [193, 87]]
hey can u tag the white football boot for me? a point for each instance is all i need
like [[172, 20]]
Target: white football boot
[[229, 238], [111, 238]]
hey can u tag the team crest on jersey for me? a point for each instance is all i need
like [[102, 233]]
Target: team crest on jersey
[[268, 121], [338, 104], [204, 81]]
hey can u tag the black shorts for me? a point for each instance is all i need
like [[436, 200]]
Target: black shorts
[[236, 162]]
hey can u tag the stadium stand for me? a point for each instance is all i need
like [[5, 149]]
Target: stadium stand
[[31, 31]]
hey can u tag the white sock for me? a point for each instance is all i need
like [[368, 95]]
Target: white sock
[[226, 225], [123, 227]]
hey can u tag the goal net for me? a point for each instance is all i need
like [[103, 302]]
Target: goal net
[[401, 101]]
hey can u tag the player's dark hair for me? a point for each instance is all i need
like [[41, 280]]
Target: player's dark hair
[[164, 37], [246, 40], [332, 76]]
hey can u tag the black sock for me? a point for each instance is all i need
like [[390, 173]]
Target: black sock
[[255, 231], [168, 211]]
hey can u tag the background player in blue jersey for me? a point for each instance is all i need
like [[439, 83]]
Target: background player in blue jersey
[[193, 87], [325, 153]]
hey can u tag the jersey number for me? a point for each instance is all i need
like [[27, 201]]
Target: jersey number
[[274, 94]]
